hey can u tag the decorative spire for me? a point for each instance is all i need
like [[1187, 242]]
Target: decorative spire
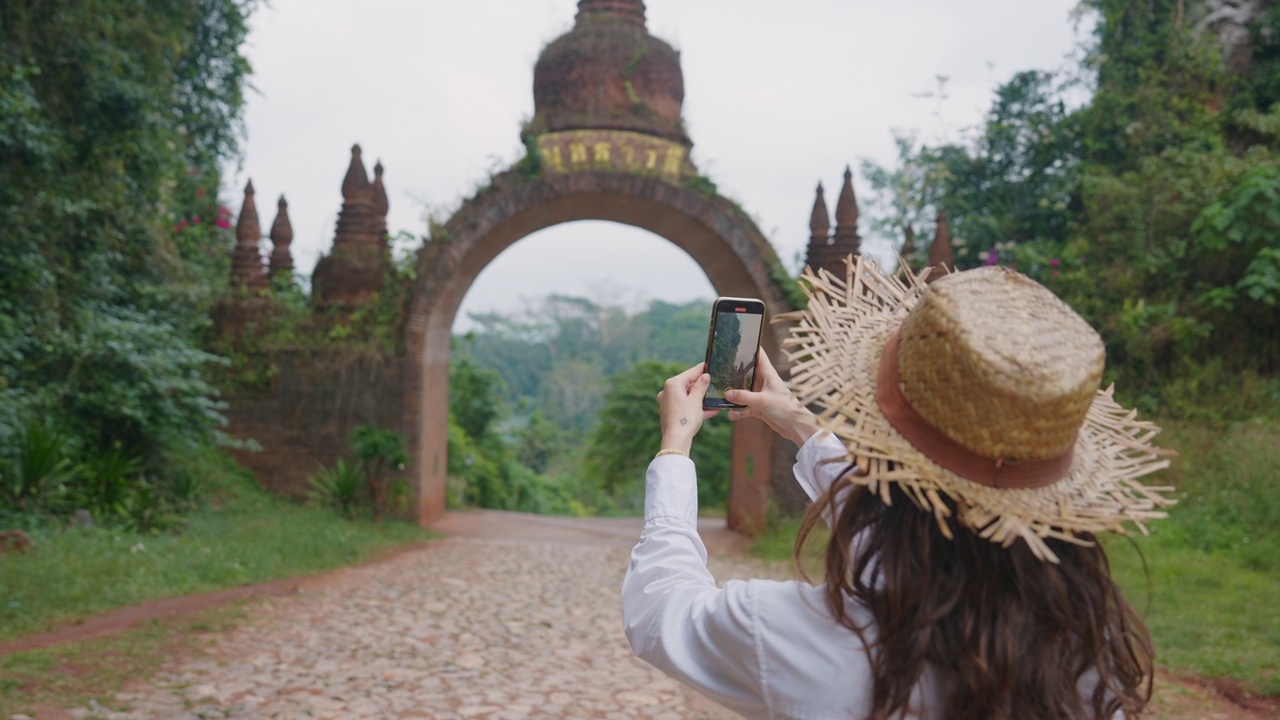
[[354, 271], [355, 186], [908, 247], [940, 254], [380, 204], [356, 221], [281, 237], [819, 253], [628, 10], [819, 219], [846, 238], [246, 261]]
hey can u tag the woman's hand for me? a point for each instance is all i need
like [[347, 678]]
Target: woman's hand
[[774, 404], [680, 411]]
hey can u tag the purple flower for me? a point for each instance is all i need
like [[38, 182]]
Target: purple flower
[[993, 257]]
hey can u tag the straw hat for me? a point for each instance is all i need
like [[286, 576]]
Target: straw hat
[[981, 387]]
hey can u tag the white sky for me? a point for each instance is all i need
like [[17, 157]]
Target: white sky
[[777, 97]]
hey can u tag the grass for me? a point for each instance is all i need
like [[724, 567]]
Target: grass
[[243, 535], [73, 675], [1211, 583]]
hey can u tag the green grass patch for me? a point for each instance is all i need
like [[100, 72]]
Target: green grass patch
[[242, 535], [1211, 583], [72, 675]]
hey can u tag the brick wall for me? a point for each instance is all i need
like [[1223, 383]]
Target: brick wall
[[315, 401]]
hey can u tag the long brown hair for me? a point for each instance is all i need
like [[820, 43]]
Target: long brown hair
[[1007, 634]]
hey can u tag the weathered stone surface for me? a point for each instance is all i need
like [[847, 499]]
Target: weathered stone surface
[[430, 635], [609, 73], [738, 260]]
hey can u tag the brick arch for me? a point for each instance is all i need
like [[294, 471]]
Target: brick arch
[[726, 244]]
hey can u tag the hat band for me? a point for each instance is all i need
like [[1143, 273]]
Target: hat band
[[949, 454]]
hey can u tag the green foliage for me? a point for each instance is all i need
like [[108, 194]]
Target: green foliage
[[49, 481], [39, 475], [1245, 221], [369, 483], [379, 453], [475, 396], [114, 120], [1013, 184], [339, 487], [529, 399], [539, 443], [1151, 210], [626, 437]]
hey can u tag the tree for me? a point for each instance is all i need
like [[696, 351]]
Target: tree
[[626, 437], [114, 119]]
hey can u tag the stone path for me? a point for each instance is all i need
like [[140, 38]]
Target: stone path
[[523, 626], [510, 616]]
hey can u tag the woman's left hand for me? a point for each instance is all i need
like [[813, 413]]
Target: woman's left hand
[[680, 411]]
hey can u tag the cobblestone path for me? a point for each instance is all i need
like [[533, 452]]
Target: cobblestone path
[[522, 626]]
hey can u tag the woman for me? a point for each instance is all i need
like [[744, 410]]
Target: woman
[[964, 460]]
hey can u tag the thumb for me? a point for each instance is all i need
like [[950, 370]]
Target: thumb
[[699, 389], [742, 397]]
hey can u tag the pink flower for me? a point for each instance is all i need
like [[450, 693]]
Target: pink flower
[[1053, 262], [1055, 273], [182, 224], [223, 223], [195, 220]]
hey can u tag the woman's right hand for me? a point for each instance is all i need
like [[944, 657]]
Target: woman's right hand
[[774, 404]]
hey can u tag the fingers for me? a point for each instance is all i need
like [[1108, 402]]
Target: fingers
[[766, 374], [688, 377]]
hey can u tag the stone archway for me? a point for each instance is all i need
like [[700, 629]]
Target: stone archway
[[718, 235]]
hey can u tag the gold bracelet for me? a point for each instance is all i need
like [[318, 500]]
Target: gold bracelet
[[670, 451]]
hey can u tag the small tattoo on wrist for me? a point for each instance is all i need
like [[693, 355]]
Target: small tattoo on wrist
[[684, 421]]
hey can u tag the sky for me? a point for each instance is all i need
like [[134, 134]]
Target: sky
[[778, 96]]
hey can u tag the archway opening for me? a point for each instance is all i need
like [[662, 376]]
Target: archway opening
[[559, 346]]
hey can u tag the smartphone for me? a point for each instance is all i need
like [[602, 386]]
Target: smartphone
[[733, 343]]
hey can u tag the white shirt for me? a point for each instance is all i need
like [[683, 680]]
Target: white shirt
[[764, 648]]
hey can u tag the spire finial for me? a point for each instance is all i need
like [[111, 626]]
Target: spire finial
[[819, 219], [355, 186], [281, 238], [380, 204], [246, 262], [845, 238]]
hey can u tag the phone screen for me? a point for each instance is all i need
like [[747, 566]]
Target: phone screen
[[732, 347]]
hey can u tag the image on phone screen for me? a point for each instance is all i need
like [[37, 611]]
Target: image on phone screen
[[732, 348]]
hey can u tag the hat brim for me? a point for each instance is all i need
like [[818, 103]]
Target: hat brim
[[836, 344]]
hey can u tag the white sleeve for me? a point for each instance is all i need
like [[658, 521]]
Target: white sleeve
[[675, 616], [819, 463]]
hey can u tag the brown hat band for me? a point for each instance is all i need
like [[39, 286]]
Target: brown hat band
[[935, 445]]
